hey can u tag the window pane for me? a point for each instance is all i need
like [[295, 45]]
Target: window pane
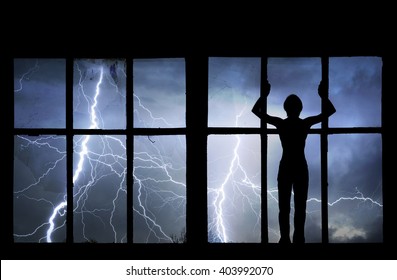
[[159, 194], [39, 188], [355, 85], [313, 205], [99, 189], [159, 93], [234, 192], [274, 152], [99, 92], [233, 88], [355, 188], [300, 76], [39, 93], [313, 226]]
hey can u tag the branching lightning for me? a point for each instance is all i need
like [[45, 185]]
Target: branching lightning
[[157, 185], [99, 157], [235, 179], [358, 197], [232, 179], [154, 179], [26, 76]]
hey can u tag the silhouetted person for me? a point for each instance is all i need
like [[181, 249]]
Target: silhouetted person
[[293, 173]]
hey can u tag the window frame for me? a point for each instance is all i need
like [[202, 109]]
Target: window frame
[[263, 131], [196, 133]]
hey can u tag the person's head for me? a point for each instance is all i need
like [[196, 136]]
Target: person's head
[[293, 105]]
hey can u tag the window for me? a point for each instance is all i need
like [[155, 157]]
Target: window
[[100, 136], [355, 150], [234, 164], [39, 161], [300, 76], [166, 150], [159, 161], [234, 177], [99, 159]]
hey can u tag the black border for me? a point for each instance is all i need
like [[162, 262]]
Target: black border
[[193, 46]]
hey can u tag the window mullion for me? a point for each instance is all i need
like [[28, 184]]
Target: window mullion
[[196, 150], [387, 195], [130, 148], [324, 154], [69, 149], [264, 217], [9, 115]]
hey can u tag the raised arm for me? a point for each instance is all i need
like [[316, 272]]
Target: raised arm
[[329, 109], [260, 113], [258, 108]]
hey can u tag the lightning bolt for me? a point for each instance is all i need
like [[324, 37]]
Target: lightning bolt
[[51, 144], [358, 198], [93, 125], [26, 76], [91, 161], [103, 163], [219, 223], [95, 160], [221, 197], [154, 178], [158, 185]]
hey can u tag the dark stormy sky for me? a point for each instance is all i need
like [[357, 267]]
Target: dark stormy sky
[[354, 160]]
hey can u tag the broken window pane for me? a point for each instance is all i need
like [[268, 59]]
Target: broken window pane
[[99, 94]]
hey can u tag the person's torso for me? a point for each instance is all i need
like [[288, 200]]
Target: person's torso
[[293, 133]]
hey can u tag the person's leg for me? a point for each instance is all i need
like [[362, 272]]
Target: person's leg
[[300, 187], [284, 203]]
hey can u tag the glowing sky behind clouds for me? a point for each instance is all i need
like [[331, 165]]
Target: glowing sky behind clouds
[[159, 87], [352, 81]]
